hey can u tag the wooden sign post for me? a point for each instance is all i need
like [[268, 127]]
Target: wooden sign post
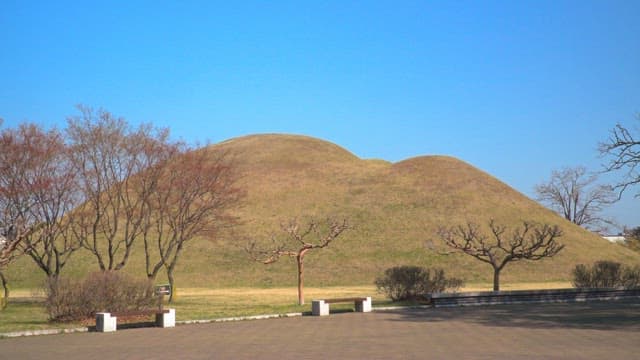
[[161, 291]]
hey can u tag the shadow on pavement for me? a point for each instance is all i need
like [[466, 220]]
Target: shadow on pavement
[[600, 315]]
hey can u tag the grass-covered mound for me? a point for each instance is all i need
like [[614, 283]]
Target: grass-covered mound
[[395, 208]]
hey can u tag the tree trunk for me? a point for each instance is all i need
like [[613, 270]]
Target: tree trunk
[[171, 282], [5, 300], [172, 267], [300, 259], [496, 279]]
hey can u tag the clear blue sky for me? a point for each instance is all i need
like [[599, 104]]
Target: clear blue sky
[[515, 88]]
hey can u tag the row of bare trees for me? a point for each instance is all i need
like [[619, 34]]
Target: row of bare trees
[[572, 192], [104, 186]]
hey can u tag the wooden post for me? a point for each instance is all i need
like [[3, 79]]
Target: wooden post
[[161, 291]]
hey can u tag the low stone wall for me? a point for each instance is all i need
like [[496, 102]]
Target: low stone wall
[[530, 296]]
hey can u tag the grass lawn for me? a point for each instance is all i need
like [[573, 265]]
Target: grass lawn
[[202, 303], [27, 316]]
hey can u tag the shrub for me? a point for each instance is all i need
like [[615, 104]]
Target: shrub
[[581, 276], [631, 277], [414, 282], [68, 300], [606, 274]]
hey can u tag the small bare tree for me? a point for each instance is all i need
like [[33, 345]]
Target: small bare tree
[[529, 242], [296, 244], [574, 194], [624, 149], [195, 194]]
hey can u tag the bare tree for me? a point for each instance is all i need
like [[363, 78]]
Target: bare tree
[[8, 244], [41, 185], [624, 149], [36, 193], [15, 201], [574, 194], [296, 244], [115, 166], [195, 194], [529, 242]]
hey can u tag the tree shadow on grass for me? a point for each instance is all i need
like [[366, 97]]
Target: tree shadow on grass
[[597, 315]]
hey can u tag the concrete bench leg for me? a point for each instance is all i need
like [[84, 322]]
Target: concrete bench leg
[[105, 322], [364, 306], [166, 320], [319, 308]]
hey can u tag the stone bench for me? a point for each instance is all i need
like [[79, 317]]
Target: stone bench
[[106, 322], [321, 307]]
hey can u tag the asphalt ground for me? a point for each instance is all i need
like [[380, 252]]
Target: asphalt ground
[[597, 330]]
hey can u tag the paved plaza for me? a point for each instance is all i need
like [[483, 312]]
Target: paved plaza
[[598, 330]]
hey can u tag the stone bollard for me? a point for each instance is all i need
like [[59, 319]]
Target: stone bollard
[[364, 306], [105, 322], [167, 319], [319, 308]]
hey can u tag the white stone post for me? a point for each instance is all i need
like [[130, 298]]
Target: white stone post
[[105, 322], [166, 320], [364, 306], [319, 308]]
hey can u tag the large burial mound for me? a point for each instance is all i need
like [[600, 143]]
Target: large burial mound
[[395, 209]]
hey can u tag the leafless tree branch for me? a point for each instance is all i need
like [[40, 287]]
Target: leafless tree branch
[[623, 149], [299, 240], [528, 242], [575, 195], [195, 193], [37, 194]]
